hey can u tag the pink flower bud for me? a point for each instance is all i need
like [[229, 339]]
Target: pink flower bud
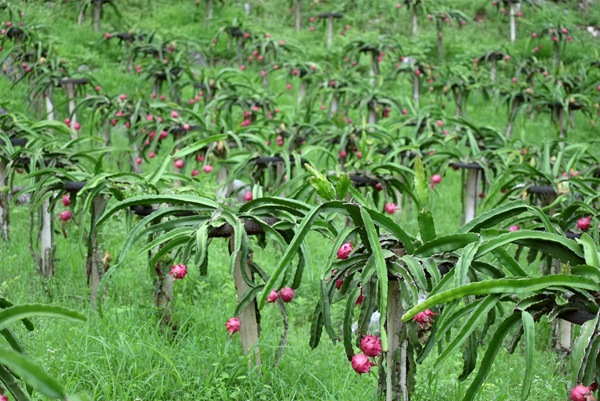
[[345, 250], [233, 325], [178, 271], [286, 294]]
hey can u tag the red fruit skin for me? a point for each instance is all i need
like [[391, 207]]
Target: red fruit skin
[[179, 163], [208, 169], [361, 364], [436, 179], [370, 346], [584, 223], [344, 251], [233, 325], [582, 393], [390, 208], [66, 200], [272, 296], [65, 215], [178, 271], [286, 294], [248, 196]]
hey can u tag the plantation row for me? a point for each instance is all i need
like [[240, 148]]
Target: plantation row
[[256, 139]]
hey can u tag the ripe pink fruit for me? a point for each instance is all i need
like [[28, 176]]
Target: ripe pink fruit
[[361, 364], [195, 172], [178, 271], [107, 35], [3, 397], [584, 223], [65, 215], [98, 88], [436, 179], [163, 135], [123, 96], [179, 163], [77, 126], [513, 228], [514, 80], [345, 250], [390, 208], [186, 127], [272, 296], [138, 160], [534, 35], [152, 155], [440, 123], [174, 114], [582, 393], [248, 196], [343, 154], [286, 294], [208, 169], [66, 200], [288, 86], [200, 157], [233, 325], [370, 345], [378, 186]]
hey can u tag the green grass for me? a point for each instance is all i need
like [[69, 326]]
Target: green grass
[[124, 354]]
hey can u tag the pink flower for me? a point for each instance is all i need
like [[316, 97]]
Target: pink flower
[[66, 200], [345, 250], [272, 296], [286, 294], [584, 223], [361, 364], [178, 271], [65, 215], [370, 345], [390, 208], [233, 325]]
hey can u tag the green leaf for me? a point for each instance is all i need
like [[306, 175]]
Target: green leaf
[[19, 312], [342, 186], [426, 226], [31, 374], [504, 286], [380, 268], [580, 348], [289, 253], [320, 183], [421, 187], [446, 243], [479, 314], [464, 263], [590, 252], [348, 318], [529, 334], [494, 217], [492, 350]]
